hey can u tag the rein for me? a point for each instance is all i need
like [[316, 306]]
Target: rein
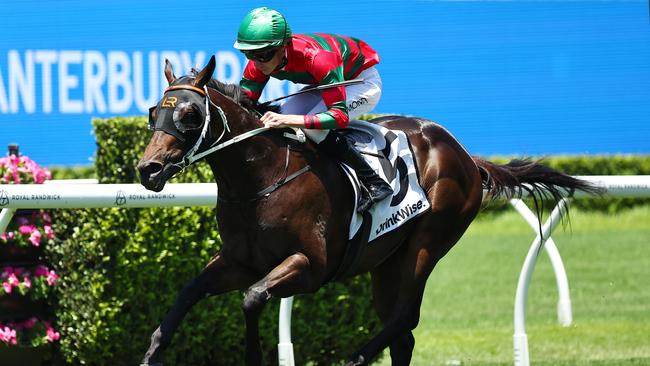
[[191, 156]]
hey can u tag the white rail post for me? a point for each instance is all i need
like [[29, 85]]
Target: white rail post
[[285, 347], [5, 218], [564, 313], [520, 339]]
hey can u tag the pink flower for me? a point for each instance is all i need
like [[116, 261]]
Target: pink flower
[[49, 233], [51, 278], [8, 335], [46, 217], [7, 271], [27, 282], [11, 235], [13, 280], [41, 270], [3, 237], [35, 238], [52, 335], [26, 229], [41, 175], [7, 287]]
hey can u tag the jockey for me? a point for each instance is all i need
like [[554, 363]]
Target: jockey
[[266, 40]]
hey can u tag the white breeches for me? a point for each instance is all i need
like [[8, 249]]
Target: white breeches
[[360, 99]]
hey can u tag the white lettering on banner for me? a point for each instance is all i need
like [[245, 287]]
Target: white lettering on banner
[[68, 81], [92, 81], [228, 61], [119, 70], [21, 80], [3, 96], [46, 59], [141, 102], [94, 78]]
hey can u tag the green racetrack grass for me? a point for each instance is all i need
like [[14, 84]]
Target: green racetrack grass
[[467, 311]]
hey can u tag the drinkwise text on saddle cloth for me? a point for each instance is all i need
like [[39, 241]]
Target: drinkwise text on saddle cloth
[[402, 214]]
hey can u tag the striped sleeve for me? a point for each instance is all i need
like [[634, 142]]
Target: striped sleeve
[[253, 81], [327, 68]]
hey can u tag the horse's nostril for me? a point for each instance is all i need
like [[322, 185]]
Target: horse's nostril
[[149, 168]]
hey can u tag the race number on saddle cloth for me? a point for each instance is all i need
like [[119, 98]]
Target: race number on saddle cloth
[[388, 152]]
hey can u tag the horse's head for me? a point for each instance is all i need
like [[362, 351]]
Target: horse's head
[[177, 122]]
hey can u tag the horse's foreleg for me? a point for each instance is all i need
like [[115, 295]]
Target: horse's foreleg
[[217, 277], [284, 280]]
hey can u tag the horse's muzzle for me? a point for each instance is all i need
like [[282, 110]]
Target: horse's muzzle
[[151, 175]]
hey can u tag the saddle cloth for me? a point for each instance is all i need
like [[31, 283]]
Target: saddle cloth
[[388, 153]]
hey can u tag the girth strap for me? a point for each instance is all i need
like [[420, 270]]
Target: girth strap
[[268, 190]]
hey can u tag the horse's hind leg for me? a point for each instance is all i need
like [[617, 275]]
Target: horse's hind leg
[[398, 284], [217, 277], [385, 290], [290, 277]]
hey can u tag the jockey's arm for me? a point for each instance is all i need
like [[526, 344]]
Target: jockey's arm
[[326, 68], [253, 81], [336, 115]]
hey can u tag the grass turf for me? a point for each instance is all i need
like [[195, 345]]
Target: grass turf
[[467, 311]]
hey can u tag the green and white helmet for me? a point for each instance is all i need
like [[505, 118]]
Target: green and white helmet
[[261, 28]]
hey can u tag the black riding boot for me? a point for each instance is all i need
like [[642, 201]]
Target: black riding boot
[[374, 189]]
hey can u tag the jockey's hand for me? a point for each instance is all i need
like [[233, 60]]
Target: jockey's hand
[[276, 120]]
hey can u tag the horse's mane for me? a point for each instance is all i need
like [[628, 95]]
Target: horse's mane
[[234, 92]]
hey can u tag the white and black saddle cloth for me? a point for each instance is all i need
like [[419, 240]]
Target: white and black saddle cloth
[[389, 154]]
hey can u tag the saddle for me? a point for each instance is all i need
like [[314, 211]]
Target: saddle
[[389, 153]]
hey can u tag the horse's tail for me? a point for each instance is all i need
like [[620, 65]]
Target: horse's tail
[[519, 176]]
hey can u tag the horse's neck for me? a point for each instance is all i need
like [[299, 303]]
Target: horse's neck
[[245, 168], [240, 120]]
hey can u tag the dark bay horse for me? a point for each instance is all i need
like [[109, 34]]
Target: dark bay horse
[[284, 210]]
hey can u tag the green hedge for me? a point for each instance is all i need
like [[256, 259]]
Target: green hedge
[[74, 172], [121, 270]]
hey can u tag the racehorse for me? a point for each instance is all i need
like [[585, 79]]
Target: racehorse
[[284, 209]]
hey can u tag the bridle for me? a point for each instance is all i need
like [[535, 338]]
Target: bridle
[[192, 156]]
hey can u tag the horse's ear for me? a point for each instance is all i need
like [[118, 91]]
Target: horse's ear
[[205, 75], [169, 73]]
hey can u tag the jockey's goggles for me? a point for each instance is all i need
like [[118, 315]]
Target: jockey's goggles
[[261, 55]]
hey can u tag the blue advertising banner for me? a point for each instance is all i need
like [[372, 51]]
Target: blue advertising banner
[[517, 77]]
